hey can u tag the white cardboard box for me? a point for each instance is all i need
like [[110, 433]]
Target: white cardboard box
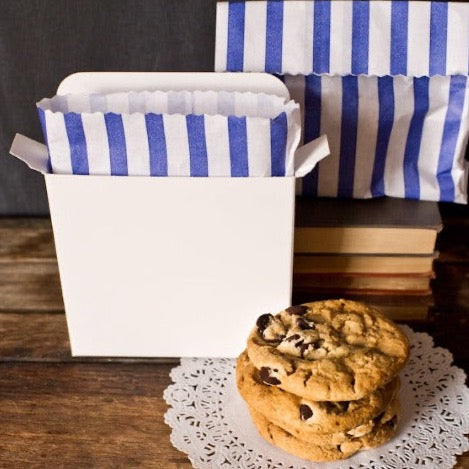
[[169, 266]]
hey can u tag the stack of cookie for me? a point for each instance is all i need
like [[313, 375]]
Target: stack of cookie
[[320, 379]]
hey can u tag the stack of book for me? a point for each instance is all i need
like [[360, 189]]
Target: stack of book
[[380, 247]]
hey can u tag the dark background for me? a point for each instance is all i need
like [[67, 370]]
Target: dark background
[[43, 41]]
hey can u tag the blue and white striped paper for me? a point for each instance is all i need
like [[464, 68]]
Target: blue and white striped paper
[[414, 38], [385, 80], [176, 133], [396, 136]]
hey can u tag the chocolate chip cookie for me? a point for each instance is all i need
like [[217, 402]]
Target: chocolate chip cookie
[[333, 350], [299, 415], [331, 448]]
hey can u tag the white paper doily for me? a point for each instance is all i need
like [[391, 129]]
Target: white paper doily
[[210, 421]]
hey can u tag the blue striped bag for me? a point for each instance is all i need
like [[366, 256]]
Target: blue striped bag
[[387, 81], [176, 133]]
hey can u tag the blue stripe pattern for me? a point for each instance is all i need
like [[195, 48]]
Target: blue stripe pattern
[[414, 138], [273, 47], [360, 37], [436, 29], [117, 147], [348, 135], [235, 59], [312, 127], [322, 36], [278, 144], [42, 120], [385, 124], [156, 145], [438, 37], [399, 28], [451, 131], [238, 146], [197, 145], [77, 142]]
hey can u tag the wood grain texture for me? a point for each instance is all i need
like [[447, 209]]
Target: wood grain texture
[[85, 415], [61, 412], [29, 276], [26, 239], [30, 286]]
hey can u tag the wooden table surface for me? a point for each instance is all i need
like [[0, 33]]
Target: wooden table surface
[[57, 411]]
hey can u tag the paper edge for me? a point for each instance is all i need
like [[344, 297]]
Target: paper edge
[[31, 152], [307, 156]]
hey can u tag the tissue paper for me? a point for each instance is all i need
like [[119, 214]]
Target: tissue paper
[[387, 81], [415, 38], [175, 133]]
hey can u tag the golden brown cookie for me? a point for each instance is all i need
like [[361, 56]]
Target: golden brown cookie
[[333, 350], [331, 448], [339, 438], [298, 415]]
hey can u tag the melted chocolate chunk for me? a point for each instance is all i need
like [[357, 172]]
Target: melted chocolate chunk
[[343, 405], [293, 337], [303, 347], [305, 325], [378, 418], [305, 412], [264, 374], [299, 310], [319, 343], [392, 423], [263, 322], [336, 407]]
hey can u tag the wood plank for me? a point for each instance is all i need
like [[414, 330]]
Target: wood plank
[[42, 337], [85, 415], [35, 337], [88, 415], [58, 411], [26, 239], [29, 276], [30, 286]]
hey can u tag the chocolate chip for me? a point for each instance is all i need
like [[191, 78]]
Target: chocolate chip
[[336, 407], [264, 374], [319, 343], [378, 418], [343, 405], [303, 348], [293, 337], [299, 310], [305, 412], [392, 423], [263, 322], [305, 325]]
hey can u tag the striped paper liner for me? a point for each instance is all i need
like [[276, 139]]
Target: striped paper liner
[[385, 80], [397, 136], [176, 133], [415, 38]]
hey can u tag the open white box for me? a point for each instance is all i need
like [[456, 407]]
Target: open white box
[[173, 266]]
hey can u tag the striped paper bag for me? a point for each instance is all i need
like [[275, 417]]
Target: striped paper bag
[[177, 133], [387, 81]]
